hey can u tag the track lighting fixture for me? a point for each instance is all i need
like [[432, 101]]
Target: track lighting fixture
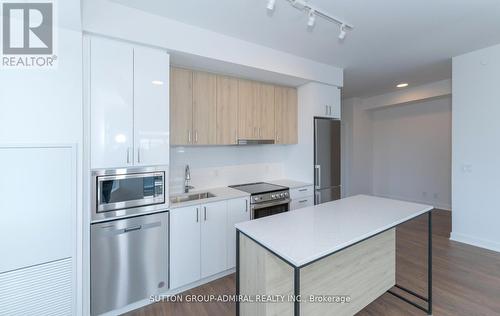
[[311, 18], [271, 4], [312, 12], [342, 32]]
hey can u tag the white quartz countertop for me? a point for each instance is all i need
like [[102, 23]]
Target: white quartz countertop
[[221, 194], [292, 184], [307, 234]]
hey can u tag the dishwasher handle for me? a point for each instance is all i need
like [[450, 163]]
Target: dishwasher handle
[[131, 229]]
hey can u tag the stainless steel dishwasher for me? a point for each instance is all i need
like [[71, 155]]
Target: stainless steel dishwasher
[[129, 261]]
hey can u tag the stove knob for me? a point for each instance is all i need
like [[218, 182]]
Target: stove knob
[[286, 194], [273, 196], [282, 195]]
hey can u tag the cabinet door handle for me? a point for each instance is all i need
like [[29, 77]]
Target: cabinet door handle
[[197, 215], [205, 212], [196, 136], [128, 155], [260, 132], [302, 201], [139, 154], [189, 136], [326, 110], [302, 190], [246, 206], [236, 136]]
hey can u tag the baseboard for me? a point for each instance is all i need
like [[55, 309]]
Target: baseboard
[[176, 291], [444, 207], [473, 241]]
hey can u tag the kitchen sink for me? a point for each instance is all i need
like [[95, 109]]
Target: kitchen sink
[[191, 197]]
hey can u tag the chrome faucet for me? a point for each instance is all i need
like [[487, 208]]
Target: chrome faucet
[[187, 178]]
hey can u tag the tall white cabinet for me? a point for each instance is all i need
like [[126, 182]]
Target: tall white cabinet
[[151, 106], [129, 105], [111, 103]]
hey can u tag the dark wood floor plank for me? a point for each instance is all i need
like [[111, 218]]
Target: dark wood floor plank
[[466, 278]]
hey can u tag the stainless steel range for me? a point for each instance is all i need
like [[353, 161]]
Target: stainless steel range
[[266, 199]]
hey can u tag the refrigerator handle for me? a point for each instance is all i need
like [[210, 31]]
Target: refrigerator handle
[[317, 169]]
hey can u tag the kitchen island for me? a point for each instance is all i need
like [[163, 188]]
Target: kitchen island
[[330, 259]]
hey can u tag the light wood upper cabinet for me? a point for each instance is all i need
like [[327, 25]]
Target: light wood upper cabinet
[[204, 108], [248, 115], [227, 111], [286, 115], [181, 106], [265, 106], [208, 109]]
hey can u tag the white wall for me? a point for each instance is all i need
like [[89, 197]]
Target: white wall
[[115, 20], [218, 166], [412, 152], [45, 107], [383, 134], [476, 150], [357, 164]]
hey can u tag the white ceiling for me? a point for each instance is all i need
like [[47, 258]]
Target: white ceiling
[[393, 40]]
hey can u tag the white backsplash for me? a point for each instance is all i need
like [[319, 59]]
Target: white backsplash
[[218, 166]]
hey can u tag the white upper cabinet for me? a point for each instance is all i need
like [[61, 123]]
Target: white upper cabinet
[[129, 105], [326, 99], [151, 108], [111, 103]]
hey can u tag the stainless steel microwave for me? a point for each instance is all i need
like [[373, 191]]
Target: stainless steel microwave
[[124, 192]]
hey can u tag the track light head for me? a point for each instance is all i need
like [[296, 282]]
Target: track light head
[[271, 4], [311, 18], [299, 4], [342, 33]]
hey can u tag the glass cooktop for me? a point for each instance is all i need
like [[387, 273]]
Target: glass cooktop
[[258, 187]]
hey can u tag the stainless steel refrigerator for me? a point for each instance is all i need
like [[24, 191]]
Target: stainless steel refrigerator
[[327, 185]]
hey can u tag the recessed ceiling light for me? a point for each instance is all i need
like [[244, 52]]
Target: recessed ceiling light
[[402, 85], [157, 82]]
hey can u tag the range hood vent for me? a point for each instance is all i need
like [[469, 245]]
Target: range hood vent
[[255, 141]]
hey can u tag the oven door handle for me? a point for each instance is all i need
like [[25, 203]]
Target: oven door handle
[[268, 204]]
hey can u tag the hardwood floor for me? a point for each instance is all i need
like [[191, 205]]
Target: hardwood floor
[[466, 278]]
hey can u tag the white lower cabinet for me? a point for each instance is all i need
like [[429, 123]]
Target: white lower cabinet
[[202, 239], [302, 202], [184, 246], [213, 238], [238, 211], [301, 197]]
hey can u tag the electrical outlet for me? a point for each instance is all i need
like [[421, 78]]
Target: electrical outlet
[[466, 168]]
